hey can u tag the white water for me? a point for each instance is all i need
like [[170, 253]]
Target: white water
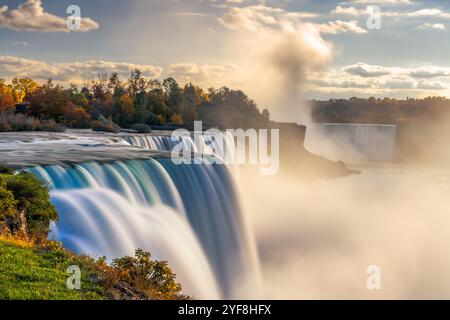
[[315, 239], [103, 223], [352, 142], [188, 215], [218, 144]]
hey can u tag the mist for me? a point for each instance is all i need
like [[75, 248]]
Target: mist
[[278, 57], [317, 238]]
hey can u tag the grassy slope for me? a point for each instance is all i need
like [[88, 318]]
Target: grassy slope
[[29, 274]]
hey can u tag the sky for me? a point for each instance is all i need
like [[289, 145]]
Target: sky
[[272, 49]]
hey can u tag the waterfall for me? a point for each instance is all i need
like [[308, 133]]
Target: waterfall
[[188, 215], [205, 144], [352, 142]]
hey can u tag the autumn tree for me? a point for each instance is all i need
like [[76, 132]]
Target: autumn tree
[[23, 87]]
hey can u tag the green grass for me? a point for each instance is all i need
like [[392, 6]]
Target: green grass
[[27, 273]]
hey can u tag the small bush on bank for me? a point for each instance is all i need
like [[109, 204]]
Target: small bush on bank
[[142, 128], [10, 122], [30, 270], [140, 277], [103, 127]]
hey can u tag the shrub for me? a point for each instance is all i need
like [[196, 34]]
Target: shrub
[[21, 122], [7, 207], [33, 210], [140, 277], [100, 126], [5, 169], [177, 119], [142, 128]]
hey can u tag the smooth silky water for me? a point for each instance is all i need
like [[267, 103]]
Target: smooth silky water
[[315, 239], [189, 215]]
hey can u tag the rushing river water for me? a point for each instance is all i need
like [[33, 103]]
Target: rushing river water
[[224, 232]]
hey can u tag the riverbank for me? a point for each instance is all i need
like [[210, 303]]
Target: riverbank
[[32, 272], [46, 271]]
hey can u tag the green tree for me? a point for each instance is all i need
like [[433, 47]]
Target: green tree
[[34, 211], [173, 92]]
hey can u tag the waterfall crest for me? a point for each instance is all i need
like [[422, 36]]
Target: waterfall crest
[[186, 214]]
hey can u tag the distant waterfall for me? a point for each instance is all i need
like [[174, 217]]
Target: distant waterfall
[[188, 215], [352, 142]]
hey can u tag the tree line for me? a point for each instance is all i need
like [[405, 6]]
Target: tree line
[[108, 103], [381, 111]]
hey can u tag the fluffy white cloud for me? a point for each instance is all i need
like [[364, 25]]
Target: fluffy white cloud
[[366, 71], [429, 72], [372, 71], [204, 75], [434, 12], [69, 71], [365, 79], [422, 13], [342, 84], [338, 26], [254, 18], [383, 1], [31, 16], [349, 11], [433, 26]]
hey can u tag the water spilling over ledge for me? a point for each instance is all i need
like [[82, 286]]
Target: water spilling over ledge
[[352, 142], [113, 198], [77, 146]]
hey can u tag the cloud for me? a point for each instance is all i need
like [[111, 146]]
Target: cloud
[[280, 51], [433, 26], [69, 71], [434, 12], [429, 72], [431, 85], [393, 2], [338, 26], [30, 16], [350, 11], [339, 83], [190, 14], [366, 79], [203, 75], [254, 18], [366, 71], [372, 71], [422, 13], [21, 43]]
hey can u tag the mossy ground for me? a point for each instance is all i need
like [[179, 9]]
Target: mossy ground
[[28, 272]]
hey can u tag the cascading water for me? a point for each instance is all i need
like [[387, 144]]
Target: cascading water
[[186, 214], [352, 142], [218, 144]]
